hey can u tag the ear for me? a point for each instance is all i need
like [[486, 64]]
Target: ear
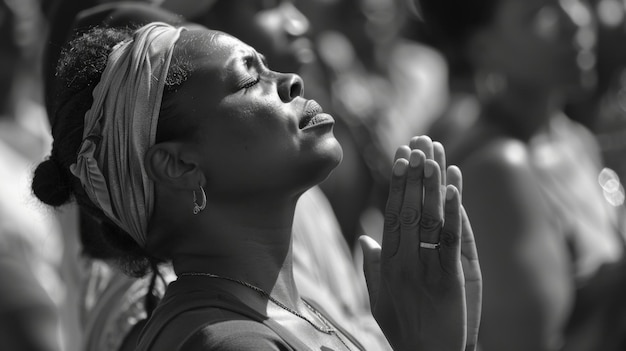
[[166, 166]]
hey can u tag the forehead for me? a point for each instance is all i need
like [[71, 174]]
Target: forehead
[[214, 60], [208, 49]]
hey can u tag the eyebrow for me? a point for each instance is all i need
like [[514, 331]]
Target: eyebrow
[[255, 54], [248, 54]]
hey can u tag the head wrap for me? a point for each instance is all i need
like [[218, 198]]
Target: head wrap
[[121, 126]]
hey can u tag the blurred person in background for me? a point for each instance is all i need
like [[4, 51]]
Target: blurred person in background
[[603, 109], [551, 244], [323, 266], [33, 294]]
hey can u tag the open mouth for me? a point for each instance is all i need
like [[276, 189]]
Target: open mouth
[[314, 115]]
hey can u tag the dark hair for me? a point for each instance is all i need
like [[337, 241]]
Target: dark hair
[[450, 23], [79, 70]]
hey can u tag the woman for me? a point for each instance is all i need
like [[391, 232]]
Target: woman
[[194, 152], [323, 268], [548, 239]]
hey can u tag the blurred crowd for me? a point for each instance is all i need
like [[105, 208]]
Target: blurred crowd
[[527, 96]]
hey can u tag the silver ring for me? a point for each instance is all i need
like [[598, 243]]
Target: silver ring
[[431, 246]]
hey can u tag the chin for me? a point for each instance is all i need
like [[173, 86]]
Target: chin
[[325, 162], [334, 151]]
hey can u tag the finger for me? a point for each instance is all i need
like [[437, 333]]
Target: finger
[[473, 281], [412, 203], [402, 152], [450, 250], [371, 266], [391, 229], [440, 157], [455, 177], [468, 242], [432, 211], [423, 143], [413, 141], [474, 312]]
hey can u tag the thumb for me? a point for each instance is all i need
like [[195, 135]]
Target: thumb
[[371, 266]]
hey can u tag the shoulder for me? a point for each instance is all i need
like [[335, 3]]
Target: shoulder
[[502, 192], [235, 335], [474, 142], [506, 159], [565, 125], [576, 137]]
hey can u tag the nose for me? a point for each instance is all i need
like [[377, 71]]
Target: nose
[[290, 86], [295, 22]]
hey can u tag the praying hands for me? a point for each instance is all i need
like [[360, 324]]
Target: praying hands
[[425, 283]]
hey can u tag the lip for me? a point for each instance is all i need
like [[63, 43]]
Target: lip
[[314, 116]]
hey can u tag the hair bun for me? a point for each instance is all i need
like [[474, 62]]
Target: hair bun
[[50, 183]]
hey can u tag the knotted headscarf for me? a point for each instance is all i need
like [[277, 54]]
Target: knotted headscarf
[[121, 126]]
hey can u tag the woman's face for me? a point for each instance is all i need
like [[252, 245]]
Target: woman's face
[[252, 131], [541, 43]]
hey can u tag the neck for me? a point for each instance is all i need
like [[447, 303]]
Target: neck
[[249, 241]]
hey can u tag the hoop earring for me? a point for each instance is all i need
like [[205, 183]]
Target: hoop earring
[[197, 208]]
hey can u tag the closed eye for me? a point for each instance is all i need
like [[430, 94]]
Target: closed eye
[[254, 64], [250, 83], [250, 74]]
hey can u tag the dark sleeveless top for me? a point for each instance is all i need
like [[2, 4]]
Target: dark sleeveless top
[[192, 309]]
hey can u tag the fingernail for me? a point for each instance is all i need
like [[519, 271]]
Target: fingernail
[[450, 193], [429, 169], [399, 169], [414, 160]]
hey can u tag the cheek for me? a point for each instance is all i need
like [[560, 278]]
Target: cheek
[[253, 134]]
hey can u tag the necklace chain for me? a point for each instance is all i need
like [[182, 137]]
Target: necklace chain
[[326, 329]]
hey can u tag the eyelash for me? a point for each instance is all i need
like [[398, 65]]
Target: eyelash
[[251, 83]]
